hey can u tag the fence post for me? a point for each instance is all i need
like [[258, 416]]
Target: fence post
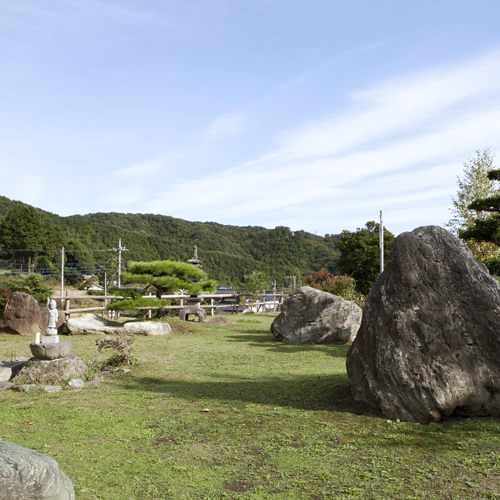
[[66, 306], [211, 309]]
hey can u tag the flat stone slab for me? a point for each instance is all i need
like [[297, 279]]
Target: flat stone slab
[[5, 385], [52, 388], [27, 474], [8, 369], [91, 324]]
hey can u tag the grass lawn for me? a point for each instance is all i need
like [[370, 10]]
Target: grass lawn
[[281, 424]]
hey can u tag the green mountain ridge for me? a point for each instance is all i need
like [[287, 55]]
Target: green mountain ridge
[[227, 252]]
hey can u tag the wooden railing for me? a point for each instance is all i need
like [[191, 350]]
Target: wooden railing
[[261, 306]]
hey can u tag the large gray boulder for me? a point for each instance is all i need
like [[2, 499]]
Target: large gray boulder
[[311, 316], [429, 341], [22, 316], [53, 372], [28, 475], [91, 324]]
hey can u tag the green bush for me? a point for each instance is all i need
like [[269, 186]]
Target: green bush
[[34, 284], [343, 286]]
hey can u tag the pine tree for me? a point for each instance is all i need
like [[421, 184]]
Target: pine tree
[[164, 278], [485, 229], [475, 184]]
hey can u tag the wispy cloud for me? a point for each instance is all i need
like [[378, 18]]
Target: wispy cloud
[[228, 124], [401, 143]]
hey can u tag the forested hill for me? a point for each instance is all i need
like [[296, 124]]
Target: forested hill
[[227, 252]]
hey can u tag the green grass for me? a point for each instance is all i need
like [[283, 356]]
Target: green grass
[[281, 424]]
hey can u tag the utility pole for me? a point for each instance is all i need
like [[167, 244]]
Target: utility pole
[[381, 241], [119, 262], [62, 273], [120, 249]]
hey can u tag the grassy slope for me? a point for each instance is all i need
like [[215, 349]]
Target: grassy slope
[[281, 425]]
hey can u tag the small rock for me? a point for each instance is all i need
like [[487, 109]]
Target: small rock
[[5, 385], [5, 373], [23, 387], [76, 383], [9, 369], [52, 388]]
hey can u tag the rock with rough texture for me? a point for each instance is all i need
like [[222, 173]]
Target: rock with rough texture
[[76, 383], [21, 315], [23, 387], [91, 324], [8, 369], [5, 385], [220, 321], [54, 372], [429, 342], [50, 351], [311, 316], [27, 474]]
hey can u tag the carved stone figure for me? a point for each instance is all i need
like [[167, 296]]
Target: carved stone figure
[[53, 317]]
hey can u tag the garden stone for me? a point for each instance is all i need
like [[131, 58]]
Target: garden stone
[[312, 316], [23, 387], [5, 385], [76, 383], [22, 315], [9, 369], [28, 475], [91, 324], [429, 341], [5, 373], [54, 372], [52, 388]]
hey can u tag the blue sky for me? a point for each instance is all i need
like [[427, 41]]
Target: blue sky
[[312, 114]]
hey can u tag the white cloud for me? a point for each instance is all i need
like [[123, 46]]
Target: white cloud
[[228, 124], [400, 146]]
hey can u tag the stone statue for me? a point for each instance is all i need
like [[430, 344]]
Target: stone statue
[[53, 317]]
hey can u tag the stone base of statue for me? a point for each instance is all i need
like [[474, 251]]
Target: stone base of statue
[[52, 339], [50, 350]]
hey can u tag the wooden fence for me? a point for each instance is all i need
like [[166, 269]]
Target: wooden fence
[[260, 306]]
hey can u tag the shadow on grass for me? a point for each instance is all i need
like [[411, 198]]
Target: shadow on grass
[[257, 338], [330, 393]]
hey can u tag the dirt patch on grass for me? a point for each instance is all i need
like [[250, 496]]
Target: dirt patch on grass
[[237, 486], [184, 327]]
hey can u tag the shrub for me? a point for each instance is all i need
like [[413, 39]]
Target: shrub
[[34, 284], [336, 284], [123, 347]]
